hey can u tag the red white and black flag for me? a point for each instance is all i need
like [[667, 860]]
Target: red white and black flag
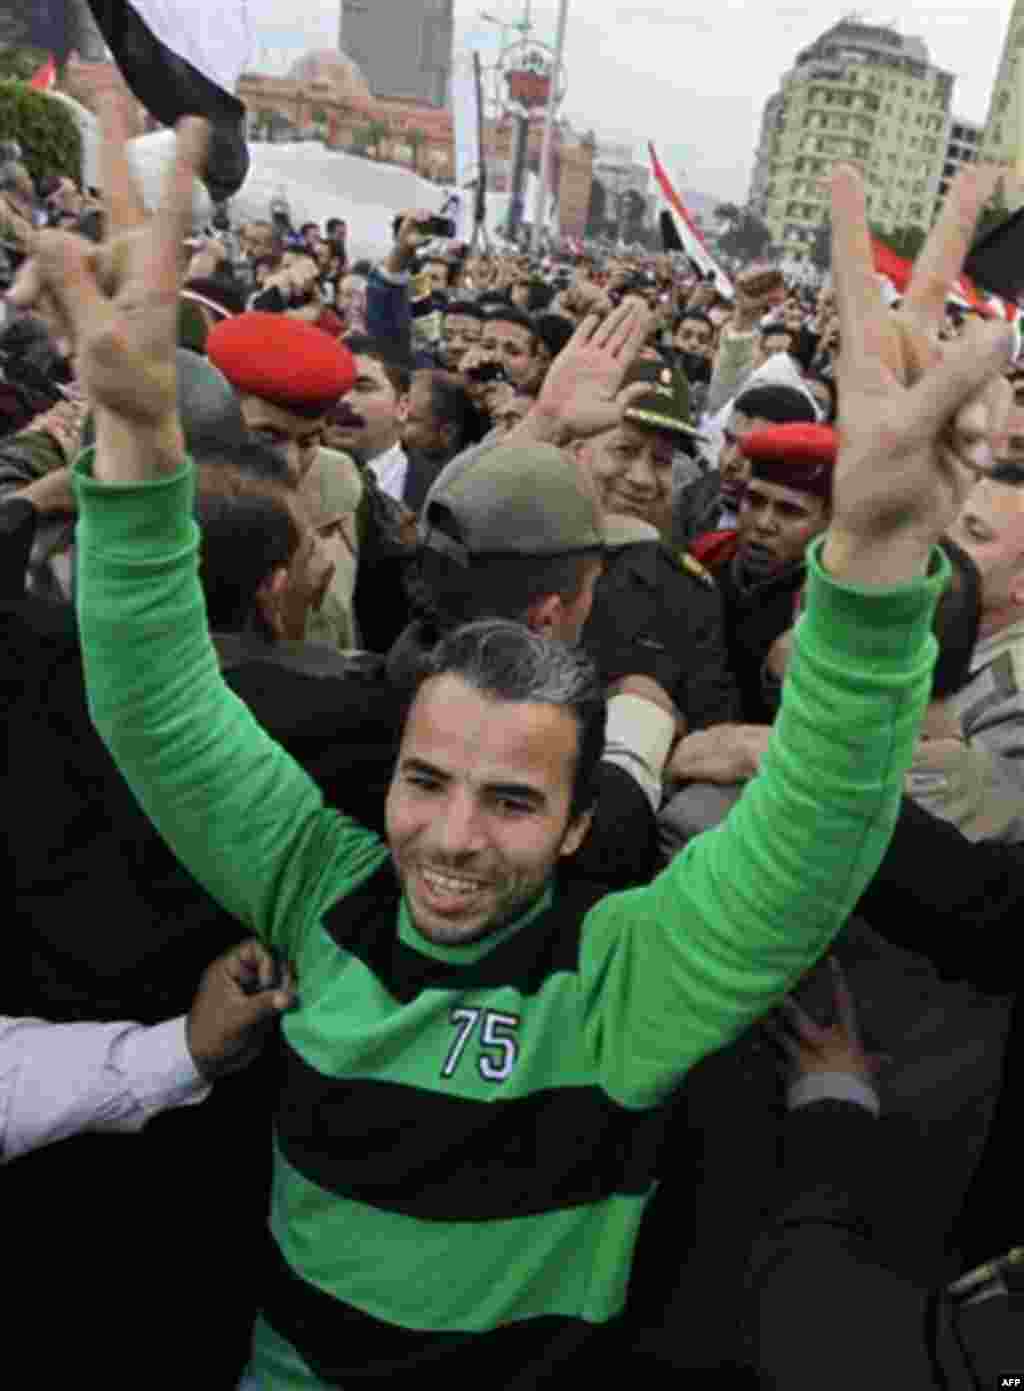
[[179, 57]]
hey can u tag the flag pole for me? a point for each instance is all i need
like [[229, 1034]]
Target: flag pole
[[544, 183]]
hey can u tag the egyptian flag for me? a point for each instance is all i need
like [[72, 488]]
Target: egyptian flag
[[897, 270], [184, 58], [179, 57], [680, 231]]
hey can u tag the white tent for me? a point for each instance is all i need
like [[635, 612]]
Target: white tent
[[317, 183]]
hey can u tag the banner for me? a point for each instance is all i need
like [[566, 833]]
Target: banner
[[466, 123], [179, 57], [687, 230], [184, 58]]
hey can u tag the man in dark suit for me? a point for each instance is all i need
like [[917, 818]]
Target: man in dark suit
[[831, 1297]]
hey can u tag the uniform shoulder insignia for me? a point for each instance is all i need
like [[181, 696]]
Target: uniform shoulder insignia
[[693, 567]]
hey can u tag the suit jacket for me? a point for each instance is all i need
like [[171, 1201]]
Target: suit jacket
[[960, 904], [419, 477]]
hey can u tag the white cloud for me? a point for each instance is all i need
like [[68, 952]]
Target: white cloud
[[689, 75]]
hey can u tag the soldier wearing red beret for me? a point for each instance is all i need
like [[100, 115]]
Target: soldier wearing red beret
[[288, 374], [760, 564]]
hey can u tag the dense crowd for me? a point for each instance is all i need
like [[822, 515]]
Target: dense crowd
[[579, 714]]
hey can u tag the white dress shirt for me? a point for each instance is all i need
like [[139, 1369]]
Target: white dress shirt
[[58, 1079], [390, 469]]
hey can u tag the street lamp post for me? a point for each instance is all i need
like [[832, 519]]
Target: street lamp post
[[544, 184]]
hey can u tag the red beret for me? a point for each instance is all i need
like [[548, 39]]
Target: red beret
[[289, 363], [794, 456]]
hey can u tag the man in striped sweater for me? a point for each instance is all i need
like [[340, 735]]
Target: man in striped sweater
[[468, 1125]]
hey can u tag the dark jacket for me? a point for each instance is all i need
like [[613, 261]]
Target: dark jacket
[[655, 616], [697, 508], [755, 615], [961, 905], [419, 478], [828, 1306], [103, 924]]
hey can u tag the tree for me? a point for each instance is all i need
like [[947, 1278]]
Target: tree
[[905, 241], [820, 250], [745, 236], [45, 130], [20, 63]]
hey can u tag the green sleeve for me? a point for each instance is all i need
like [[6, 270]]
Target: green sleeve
[[238, 812], [674, 970]]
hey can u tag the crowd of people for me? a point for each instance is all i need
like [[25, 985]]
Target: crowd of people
[[580, 716]]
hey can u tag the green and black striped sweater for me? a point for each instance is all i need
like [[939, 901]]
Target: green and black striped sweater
[[466, 1137]]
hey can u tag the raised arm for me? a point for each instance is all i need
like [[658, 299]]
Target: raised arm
[[675, 970], [235, 808]]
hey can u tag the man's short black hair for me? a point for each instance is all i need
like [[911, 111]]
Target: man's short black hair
[[697, 314], [397, 369], [509, 314], [247, 531], [465, 307], [507, 662], [782, 405]]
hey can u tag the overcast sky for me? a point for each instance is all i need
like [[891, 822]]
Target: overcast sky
[[691, 75]]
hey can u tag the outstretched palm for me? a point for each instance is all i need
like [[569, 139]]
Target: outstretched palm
[[581, 389]]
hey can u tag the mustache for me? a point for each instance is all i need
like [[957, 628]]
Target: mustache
[[345, 418]]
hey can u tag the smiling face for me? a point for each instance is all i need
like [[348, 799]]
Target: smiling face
[[632, 471], [478, 809]]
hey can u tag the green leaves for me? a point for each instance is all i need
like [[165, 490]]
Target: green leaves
[[44, 128]]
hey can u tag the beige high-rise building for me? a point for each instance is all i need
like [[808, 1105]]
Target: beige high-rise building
[[860, 94], [963, 146], [1004, 127]]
